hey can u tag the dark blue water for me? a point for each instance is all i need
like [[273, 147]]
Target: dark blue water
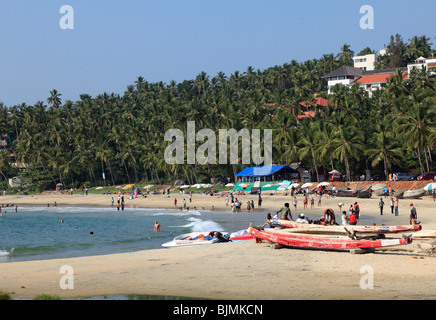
[[35, 233]]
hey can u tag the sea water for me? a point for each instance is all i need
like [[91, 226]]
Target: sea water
[[38, 233]]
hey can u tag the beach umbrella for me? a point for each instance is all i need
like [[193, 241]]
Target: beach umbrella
[[199, 186], [307, 184], [323, 184], [148, 186], [378, 186], [244, 185], [208, 185], [98, 188], [185, 186], [267, 186], [118, 187], [334, 172], [430, 187], [229, 185]]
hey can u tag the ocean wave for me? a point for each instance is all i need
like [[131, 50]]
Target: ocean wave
[[198, 225], [6, 252], [93, 210]]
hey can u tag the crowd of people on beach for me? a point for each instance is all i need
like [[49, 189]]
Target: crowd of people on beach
[[329, 218]]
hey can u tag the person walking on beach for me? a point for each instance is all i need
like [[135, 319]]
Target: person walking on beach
[[259, 202], [294, 203], [227, 201], [380, 205], [305, 202], [252, 205], [190, 196], [396, 206], [184, 203], [175, 203]]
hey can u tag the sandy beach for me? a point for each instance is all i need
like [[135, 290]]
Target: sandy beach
[[243, 270]]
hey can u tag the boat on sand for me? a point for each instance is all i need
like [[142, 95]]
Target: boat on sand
[[336, 229], [413, 194], [324, 241]]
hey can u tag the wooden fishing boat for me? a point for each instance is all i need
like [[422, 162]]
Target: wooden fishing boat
[[323, 242], [317, 228], [413, 194], [364, 193], [399, 194]]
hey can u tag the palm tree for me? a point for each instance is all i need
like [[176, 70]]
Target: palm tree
[[416, 126], [385, 147], [345, 57], [309, 145], [54, 100], [348, 142]]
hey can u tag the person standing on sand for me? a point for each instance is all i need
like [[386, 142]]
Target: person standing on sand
[[352, 219], [344, 218], [259, 202], [294, 203], [175, 203], [391, 202], [380, 205], [227, 200], [396, 206], [305, 202], [357, 210]]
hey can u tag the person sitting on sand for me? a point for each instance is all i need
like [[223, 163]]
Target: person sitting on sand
[[302, 218], [329, 216], [268, 221], [285, 212]]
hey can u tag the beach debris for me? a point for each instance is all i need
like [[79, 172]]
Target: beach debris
[[428, 247]]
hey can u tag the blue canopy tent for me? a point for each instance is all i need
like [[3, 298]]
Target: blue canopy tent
[[268, 173], [265, 174]]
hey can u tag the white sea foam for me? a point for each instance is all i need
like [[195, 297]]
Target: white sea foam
[[198, 225], [5, 252]]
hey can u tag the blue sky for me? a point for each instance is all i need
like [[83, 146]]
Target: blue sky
[[113, 42]]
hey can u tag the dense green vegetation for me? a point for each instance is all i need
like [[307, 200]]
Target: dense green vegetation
[[123, 136]]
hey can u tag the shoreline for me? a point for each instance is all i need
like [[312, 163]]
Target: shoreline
[[243, 270]]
